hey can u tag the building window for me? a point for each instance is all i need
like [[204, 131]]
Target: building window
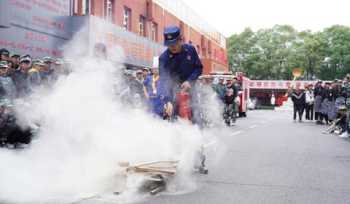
[[109, 10], [154, 31], [75, 7], [142, 26], [81, 7], [85, 7], [127, 19]]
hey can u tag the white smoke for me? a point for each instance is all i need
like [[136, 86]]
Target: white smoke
[[85, 131]]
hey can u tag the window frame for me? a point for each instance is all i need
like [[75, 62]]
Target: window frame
[[154, 31], [127, 18], [142, 26]]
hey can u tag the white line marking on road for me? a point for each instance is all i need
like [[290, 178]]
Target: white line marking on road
[[209, 144], [253, 126], [237, 132]]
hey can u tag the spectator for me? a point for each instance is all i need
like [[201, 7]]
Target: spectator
[[25, 78], [58, 68], [139, 76], [309, 99], [220, 88], [232, 84], [346, 94], [339, 95], [7, 87], [151, 87], [318, 93], [326, 102], [134, 94], [229, 100], [298, 98], [145, 73], [4, 55], [341, 120], [15, 61], [45, 71]]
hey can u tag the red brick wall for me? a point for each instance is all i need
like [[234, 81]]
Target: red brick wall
[[163, 18]]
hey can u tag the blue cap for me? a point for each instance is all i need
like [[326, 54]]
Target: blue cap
[[171, 35]]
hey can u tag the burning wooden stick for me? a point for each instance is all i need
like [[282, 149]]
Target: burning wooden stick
[[157, 174]]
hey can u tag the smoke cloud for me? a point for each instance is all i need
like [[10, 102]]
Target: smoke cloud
[[85, 131]]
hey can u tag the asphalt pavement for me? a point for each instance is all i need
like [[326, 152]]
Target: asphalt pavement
[[269, 159]]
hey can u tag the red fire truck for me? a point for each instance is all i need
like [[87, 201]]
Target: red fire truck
[[243, 93]]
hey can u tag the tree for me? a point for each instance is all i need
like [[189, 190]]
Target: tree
[[310, 52], [264, 54], [273, 53], [336, 62], [240, 49]]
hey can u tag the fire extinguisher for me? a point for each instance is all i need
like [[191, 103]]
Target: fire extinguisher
[[183, 105]]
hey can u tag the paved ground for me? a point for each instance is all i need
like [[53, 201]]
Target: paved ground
[[270, 159]]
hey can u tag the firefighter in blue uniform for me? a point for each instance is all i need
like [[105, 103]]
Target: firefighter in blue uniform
[[179, 68]]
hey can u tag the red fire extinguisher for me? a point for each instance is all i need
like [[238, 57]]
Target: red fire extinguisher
[[183, 105]]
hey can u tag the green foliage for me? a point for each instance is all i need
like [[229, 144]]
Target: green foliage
[[273, 53]]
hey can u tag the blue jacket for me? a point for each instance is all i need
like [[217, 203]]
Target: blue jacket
[[148, 84], [174, 69]]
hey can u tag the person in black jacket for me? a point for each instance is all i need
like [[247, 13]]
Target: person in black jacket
[[337, 99], [229, 114], [298, 98], [326, 103], [318, 92]]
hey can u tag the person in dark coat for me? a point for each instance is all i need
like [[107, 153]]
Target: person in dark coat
[[179, 68], [326, 103], [4, 54], [298, 98], [229, 100], [26, 78], [232, 84], [318, 93], [337, 99]]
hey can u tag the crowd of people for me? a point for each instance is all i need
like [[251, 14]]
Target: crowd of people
[[227, 92], [143, 89], [19, 76], [328, 103], [173, 88]]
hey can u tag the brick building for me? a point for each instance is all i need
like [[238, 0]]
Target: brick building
[[42, 28], [147, 18]]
